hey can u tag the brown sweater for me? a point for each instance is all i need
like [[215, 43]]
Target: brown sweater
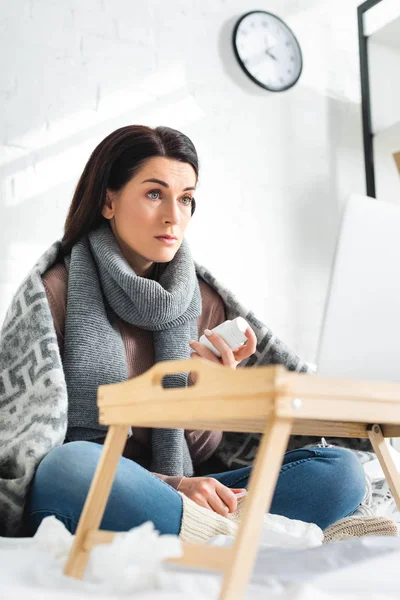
[[140, 357]]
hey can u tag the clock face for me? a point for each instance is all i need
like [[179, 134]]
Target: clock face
[[267, 50]]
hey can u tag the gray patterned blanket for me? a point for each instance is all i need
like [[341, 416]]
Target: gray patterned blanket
[[33, 394]]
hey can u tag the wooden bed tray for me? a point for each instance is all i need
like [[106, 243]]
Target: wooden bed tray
[[270, 400]]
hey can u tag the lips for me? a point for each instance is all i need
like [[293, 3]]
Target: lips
[[168, 240]]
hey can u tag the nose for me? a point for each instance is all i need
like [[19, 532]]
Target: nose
[[171, 214]]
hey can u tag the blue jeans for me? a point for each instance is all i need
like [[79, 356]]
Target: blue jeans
[[317, 485]]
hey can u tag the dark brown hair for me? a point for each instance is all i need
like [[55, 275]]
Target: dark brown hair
[[112, 164]]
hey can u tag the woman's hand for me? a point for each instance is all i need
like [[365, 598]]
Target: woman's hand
[[228, 358], [210, 493]]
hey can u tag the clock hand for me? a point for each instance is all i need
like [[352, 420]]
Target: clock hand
[[271, 55], [267, 51]]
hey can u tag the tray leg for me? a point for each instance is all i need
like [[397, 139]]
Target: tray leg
[[96, 500], [381, 450], [258, 501]]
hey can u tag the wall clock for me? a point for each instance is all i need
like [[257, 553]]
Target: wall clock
[[267, 50]]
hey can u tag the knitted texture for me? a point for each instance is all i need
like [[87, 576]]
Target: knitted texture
[[200, 524], [101, 284], [237, 514], [33, 387], [360, 526], [33, 394]]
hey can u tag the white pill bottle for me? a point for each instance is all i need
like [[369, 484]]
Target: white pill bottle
[[232, 332]]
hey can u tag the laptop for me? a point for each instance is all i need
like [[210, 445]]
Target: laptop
[[360, 336]]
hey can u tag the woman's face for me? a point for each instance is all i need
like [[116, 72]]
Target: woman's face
[[156, 202]]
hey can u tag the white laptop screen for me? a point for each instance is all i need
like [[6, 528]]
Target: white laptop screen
[[360, 336]]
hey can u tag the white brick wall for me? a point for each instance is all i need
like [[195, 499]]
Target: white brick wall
[[275, 168]]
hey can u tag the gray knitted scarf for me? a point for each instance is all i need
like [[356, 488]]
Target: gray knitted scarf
[[101, 286]]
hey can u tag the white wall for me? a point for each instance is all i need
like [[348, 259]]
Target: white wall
[[275, 168]]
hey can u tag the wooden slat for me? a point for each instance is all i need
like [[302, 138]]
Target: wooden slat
[[212, 381], [330, 428], [330, 416], [390, 431], [187, 411], [300, 384], [319, 428], [201, 556], [306, 427], [327, 408], [101, 536]]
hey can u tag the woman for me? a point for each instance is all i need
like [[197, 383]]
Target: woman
[[124, 294]]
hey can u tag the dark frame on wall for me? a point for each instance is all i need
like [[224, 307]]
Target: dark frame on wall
[[368, 135]]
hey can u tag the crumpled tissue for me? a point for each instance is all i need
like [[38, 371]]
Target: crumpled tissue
[[133, 561], [281, 532]]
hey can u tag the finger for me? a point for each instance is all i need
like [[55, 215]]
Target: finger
[[192, 378], [203, 352], [227, 496], [201, 501], [227, 356], [206, 504], [218, 505], [238, 490], [250, 346]]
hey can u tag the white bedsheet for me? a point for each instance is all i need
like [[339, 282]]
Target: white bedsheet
[[298, 567], [291, 563]]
